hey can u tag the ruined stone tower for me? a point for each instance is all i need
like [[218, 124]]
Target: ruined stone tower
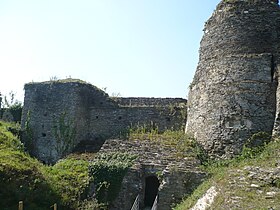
[[233, 93]]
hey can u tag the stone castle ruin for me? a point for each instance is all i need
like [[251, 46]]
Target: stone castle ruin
[[70, 115], [235, 91], [61, 117], [158, 171], [234, 94]]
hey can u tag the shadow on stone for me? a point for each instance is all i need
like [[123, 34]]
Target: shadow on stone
[[151, 190]]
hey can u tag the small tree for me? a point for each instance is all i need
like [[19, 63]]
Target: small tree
[[11, 106]]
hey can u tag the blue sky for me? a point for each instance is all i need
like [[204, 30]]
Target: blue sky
[[143, 48]]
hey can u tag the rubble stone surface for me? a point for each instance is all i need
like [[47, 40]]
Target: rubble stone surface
[[234, 92]]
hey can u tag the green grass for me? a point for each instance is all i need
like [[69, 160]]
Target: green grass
[[67, 183], [227, 176], [183, 144], [70, 179], [9, 136], [23, 178]]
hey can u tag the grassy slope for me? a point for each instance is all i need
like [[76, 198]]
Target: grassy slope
[[244, 183], [24, 178]]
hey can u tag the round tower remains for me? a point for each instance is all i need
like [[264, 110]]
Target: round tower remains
[[233, 93]]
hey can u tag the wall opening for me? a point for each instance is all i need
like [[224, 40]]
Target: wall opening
[[151, 190]]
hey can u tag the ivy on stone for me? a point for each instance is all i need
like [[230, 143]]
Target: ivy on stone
[[64, 132], [108, 171]]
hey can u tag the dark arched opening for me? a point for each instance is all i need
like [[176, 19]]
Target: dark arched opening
[[151, 190]]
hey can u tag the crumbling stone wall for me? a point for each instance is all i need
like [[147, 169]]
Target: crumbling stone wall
[[44, 105], [150, 102], [178, 176], [85, 116], [233, 93]]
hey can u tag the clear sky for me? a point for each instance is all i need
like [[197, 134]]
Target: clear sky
[[142, 48]]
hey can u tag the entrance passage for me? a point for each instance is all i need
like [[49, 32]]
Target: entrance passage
[[151, 190]]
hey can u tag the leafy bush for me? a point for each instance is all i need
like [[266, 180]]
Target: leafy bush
[[9, 133], [23, 178], [108, 171], [11, 106], [70, 179]]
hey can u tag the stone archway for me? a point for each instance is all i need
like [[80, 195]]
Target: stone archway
[[151, 190]]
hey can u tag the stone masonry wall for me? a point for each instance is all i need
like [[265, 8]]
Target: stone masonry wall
[[151, 102], [45, 103], [83, 116], [233, 93], [120, 119], [178, 177]]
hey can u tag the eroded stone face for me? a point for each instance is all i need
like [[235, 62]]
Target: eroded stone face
[[177, 176], [233, 93], [69, 115]]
